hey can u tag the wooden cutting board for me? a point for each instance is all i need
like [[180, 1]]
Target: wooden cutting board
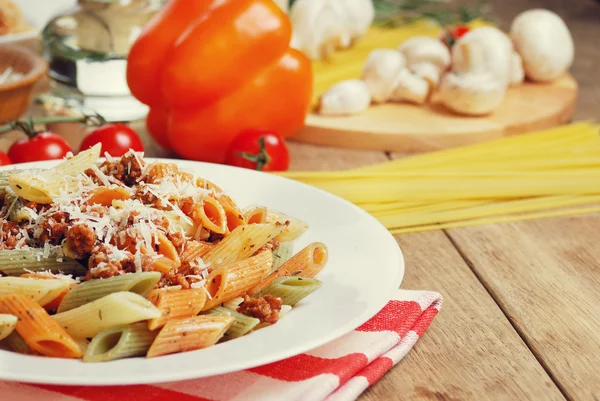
[[410, 128]]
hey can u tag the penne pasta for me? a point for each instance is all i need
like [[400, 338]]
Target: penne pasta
[[17, 262], [83, 344], [255, 214], [167, 249], [235, 279], [158, 170], [206, 184], [106, 195], [177, 223], [282, 253], [7, 325], [45, 186], [120, 342], [42, 291], [37, 329], [233, 303], [241, 243], [120, 258], [53, 305], [295, 227], [153, 295], [225, 200], [233, 215], [4, 179], [309, 261], [14, 342], [306, 263], [241, 326], [116, 309], [189, 334], [176, 304], [194, 250], [211, 215], [89, 291], [292, 290]]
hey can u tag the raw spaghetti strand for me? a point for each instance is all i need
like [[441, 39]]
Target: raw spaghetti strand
[[509, 178]]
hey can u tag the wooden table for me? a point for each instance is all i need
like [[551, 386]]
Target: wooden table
[[521, 319]]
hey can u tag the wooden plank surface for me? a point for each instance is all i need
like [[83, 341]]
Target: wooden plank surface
[[471, 351], [546, 274]]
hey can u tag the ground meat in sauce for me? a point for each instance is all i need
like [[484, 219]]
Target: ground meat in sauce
[[161, 222], [173, 278], [8, 228], [54, 228], [81, 240], [95, 210], [8, 235], [187, 206], [100, 254], [92, 174], [265, 308], [178, 241], [271, 245], [145, 196], [127, 169]]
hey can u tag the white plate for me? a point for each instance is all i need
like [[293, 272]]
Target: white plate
[[364, 268], [37, 13]]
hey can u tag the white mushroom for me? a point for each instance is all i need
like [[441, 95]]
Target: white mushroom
[[345, 98], [316, 28], [411, 88], [284, 5], [380, 72], [357, 16], [544, 42], [483, 49], [322, 26], [517, 73], [426, 57], [473, 94]]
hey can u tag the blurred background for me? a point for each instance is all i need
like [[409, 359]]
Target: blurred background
[[78, 37]]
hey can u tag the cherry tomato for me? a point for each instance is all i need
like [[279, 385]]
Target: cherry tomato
[[116, 139], [259, 150], [4, 159], [452, 34], [41, 146]]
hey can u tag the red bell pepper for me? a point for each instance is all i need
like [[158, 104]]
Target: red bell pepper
[[210, 69]]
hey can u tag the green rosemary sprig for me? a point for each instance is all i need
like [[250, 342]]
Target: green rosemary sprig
[[392, 13]]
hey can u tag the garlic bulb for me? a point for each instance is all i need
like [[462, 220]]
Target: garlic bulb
[[544, 43], [345, 98], [473, 94], [484, 49], [380, 72], [322, 26]]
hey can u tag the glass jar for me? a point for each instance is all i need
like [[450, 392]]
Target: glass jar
[[87, 50]]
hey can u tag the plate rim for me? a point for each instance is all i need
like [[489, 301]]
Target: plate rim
[[168, 377]]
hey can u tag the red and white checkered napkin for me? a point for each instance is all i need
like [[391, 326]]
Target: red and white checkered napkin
[[338, 371]]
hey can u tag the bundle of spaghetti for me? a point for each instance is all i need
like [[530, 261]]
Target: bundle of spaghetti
[[508, 179]]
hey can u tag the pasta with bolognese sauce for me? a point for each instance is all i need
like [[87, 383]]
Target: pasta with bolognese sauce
[[124, 257]]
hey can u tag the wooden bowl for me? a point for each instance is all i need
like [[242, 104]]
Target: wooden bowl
[[15, 97]]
